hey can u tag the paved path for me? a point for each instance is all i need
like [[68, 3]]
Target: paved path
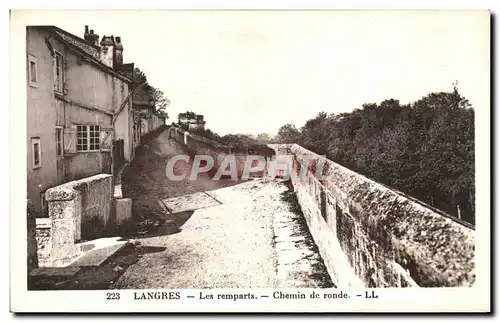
[[220, 233]]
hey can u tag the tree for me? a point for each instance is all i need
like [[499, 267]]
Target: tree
[[162, 113], [238, 140], [317, 130], [424, 149], [139, 78], [143, 91], [188, 115], [264, 138], [160, 102], [209, 134], [288, 133]]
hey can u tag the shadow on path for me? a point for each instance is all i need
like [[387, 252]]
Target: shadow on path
[[95, 278], [146, 183], [170, 224]]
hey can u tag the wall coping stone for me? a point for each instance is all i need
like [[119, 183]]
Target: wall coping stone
[[68, 191]]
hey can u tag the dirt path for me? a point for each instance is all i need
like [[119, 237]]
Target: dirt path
[[145, 180], [222, 246], [228, 245], [222, 234]]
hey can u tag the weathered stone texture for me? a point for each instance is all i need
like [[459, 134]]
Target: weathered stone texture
[[79, 210], [370, 234], [32, 259], [92, 208], [43, 240], [65, 230], [123, 208]]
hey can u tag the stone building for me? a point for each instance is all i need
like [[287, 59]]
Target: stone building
[[145, 109], [192, 122], [79, 110]]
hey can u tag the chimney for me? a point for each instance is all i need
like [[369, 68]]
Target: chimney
[[86, 35], [107, 50], [94, 38], [118, 52]]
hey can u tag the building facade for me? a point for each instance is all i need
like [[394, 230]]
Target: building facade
[[144, 108], [192, 122], [79, 109], [150, 121]]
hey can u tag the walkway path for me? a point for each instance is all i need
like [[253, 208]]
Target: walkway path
[[218, 233]]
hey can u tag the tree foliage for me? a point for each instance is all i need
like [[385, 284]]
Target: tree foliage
[[288, 133], [264, 138], [425, 149], [232, 139], [187, 115], [154, 95], [160, 102], [238, 140]]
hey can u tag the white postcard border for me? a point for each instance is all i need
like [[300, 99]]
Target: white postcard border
[[476, 298]]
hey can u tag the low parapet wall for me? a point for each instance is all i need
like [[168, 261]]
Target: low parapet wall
[[78, 210], [371, 235], [198, 145]]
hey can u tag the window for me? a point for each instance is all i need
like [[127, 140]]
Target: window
[[32, 71], [59, 141], [87, 138], [58, 72], [36, 153]]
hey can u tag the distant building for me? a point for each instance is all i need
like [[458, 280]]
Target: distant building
[[145, 110], [146, 119], [79, 110], [192, 122]]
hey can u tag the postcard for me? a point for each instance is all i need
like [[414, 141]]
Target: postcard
[[250, 161]]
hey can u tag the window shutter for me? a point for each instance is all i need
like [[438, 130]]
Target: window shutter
[[106, 139], [64, 68], [54, 71], [70, 139]]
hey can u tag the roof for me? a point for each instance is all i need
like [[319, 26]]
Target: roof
[[127, 70], [89, 49], [92, 52]]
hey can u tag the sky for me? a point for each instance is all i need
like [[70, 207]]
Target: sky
[[253, 71]]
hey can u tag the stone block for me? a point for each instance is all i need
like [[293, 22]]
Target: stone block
[[63, 209], [123, 210], [118, 191], [55, 271], [43, 240], [78, 210]]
